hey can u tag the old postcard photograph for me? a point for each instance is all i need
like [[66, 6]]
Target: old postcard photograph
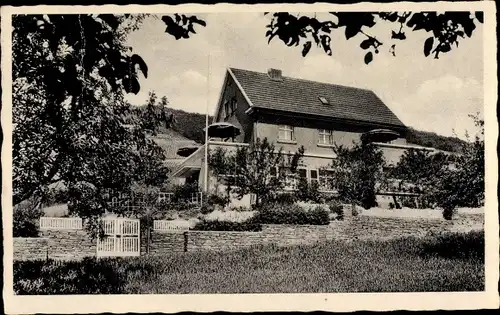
[[287, 157]]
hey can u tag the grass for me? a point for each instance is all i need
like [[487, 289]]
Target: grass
[[448, 262]]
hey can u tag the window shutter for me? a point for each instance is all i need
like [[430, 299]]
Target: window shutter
[[303, 173], [293, 133]]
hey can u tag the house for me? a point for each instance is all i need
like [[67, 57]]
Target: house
[[294, 112]]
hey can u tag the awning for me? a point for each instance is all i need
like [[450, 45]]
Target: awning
[[379, 135], [222, 130]]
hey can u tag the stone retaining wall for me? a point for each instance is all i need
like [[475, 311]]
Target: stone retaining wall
[[69, 244], [76, 244], [30, 248]]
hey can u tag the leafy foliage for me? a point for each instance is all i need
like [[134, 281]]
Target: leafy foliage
[[70, 73], [447, 181], [337, 208], [81, 277], [356, 172], [274, 213], [180, 26], [462, 185], [445, 29], [418, 168], [25, 219], [217, 225], [249, 168], [308, 192]]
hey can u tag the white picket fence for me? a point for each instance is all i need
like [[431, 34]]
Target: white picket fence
[[165, 225], [47, 223], [122, 238]]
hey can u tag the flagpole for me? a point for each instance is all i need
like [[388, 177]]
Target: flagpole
[[206, 128]]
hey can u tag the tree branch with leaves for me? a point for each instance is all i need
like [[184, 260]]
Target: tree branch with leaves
[[446, 29], [260, 169]]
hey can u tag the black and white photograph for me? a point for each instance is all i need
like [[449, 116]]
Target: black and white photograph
[[244, 151]]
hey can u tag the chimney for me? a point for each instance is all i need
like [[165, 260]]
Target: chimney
[[275, 74]]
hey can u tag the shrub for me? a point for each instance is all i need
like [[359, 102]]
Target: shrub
[[391, 205], [25, 219], [284, 198], [182, 193], [448, 213], [89, 276], [206, 209], [337, 208], [216, 200], [239, 209], [308, 192], [408, 202], [216, 225], [291, 214]]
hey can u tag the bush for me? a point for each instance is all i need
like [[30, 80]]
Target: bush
[[26, 218], [216, 200], [90, 276], [337, 208], [409, 202], [206, 209], [308, 192], [183, 193], [456, 245], [284, 198], [216, 225], [448, 213], [291, 214], [239, 209]]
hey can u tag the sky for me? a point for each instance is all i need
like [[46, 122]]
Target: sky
[[428, 94]]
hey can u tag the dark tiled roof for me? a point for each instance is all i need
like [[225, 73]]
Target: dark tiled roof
[[302, 96]]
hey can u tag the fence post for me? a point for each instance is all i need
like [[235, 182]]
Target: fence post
[[186, 241]]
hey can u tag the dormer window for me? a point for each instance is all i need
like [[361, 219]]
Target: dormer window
[[323, 100]]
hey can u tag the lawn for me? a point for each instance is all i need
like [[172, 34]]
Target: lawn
[[450, 262]]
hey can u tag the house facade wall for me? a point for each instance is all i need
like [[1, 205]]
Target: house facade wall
[[239, 117], [306, 132]]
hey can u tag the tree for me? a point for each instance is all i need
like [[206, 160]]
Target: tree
[[356, 171], [70, 73], [419, 168], [462, 185], [445, 29], [258, 169]]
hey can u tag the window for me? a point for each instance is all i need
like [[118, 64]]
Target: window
[[302, 173], [195, 198], [286, 133], [314, 176], [226, 109], [233, 105], [323, 100], [325, 136], [115, 202], [326, 180], [230, 107]]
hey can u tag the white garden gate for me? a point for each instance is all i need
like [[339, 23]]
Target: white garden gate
[[121, 238]]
